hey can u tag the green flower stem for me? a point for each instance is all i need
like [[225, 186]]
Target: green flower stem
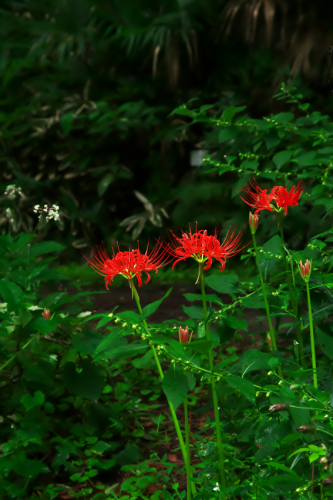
[[266, 303], [187, 436], [18, 352], [313, 347], [292, 297], [210, 357], [173, 413]]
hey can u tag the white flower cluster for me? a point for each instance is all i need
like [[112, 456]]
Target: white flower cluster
[[49, 213], [12, 190], [9, 215], [217, 488]]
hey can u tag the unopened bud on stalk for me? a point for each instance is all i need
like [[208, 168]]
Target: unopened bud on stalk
[[46, 314], [305, 270], [279, 407], [253, 222], [184, 335]]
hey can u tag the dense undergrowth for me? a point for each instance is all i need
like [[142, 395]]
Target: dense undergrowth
[[85, 413]]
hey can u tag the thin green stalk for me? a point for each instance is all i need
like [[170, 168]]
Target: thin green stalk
[[210, 358], [173, 413], [292, 297], [313, 347], [187, 437], [271, 329], [18, 352]]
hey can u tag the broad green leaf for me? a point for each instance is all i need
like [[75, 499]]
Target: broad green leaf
[[202, 346], [126, 351], [249, 165], [253, 359], [108, 342], [12, 294], [230, 112], [253, 302], [282, 158], [283, 117], [195, 312], [151, 308], [86, 342], [209, 298], [228, 133], [31, 401], [223, 283], [325, 342], [46, 247], [306, 159], [45, 326], [130, 316], [175, 386], [89, 383], [27, 468], [244, 386]]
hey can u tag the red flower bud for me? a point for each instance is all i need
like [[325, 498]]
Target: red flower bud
[[183, 335], [279, 407], [46, 314]]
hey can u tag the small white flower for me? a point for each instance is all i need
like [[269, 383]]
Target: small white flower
[[217, 488], [12, 190], [48, 213], [9, 215]]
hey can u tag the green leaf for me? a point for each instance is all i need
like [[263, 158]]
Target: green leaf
[[32, 401], [282, 158], [175, 386], [195, 312], [12, 294], [129, 455], [283, 117], [244, 386], [209, 298], [223, 283], [325, 342], [105, 183], [66, 122], [255, 360], [89, 383], [45, 326], [126, 351], [151, 308], [253, 302], [228, 133], [202, 346], [46, 247], [109, 342], [249, 165], [230, 112], [306, 159], [130, 316]]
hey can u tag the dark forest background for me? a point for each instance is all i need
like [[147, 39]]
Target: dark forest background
[[87, 89]]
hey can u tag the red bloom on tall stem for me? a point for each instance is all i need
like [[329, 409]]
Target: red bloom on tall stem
[[127, 264], [256, 197], [261, 200], [204, 248], [285, 198]]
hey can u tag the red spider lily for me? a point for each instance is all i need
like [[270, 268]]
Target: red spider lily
[[204, 248], [128, 264], [260, 200], [257, 198], [285, 198]]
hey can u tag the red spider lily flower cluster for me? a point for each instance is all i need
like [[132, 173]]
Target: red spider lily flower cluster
[[260, 199], [305, 270], [184, 335], [204, 248], [127, 264]]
